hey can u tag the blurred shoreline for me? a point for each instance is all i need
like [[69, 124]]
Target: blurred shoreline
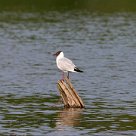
[[65, 5]]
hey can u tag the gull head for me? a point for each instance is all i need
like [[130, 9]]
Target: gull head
[[58, 53]]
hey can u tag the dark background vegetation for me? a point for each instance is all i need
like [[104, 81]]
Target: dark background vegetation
[[92, 5]]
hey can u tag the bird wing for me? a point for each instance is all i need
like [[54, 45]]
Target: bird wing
[[66, 64]]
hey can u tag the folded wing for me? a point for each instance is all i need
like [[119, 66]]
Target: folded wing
[[66, 64]]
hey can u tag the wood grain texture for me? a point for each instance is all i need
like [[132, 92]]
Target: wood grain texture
[[69, 95]]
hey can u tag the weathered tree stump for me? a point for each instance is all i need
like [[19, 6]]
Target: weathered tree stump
[[69, 95]]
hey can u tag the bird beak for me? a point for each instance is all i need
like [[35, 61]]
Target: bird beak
[[54, 54]]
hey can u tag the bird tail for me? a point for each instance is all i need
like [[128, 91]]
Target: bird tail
[[77, 69]]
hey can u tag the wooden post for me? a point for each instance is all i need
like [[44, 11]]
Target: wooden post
[[69, 95]]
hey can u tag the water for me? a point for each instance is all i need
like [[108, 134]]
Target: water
[[103, 45]]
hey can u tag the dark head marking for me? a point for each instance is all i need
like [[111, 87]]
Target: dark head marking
[[57, 53]]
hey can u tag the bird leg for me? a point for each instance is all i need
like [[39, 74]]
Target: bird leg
[[68, 74], [63, 76]]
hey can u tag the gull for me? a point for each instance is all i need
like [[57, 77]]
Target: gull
[[65, 64]]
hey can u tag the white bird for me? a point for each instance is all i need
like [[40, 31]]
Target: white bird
[[65, 64]]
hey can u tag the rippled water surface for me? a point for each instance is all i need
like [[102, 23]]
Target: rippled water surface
[[102, 45]]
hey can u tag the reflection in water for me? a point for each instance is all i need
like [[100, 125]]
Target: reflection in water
[[69, 117]]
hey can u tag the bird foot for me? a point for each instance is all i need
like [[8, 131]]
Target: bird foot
[[62, 80]]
